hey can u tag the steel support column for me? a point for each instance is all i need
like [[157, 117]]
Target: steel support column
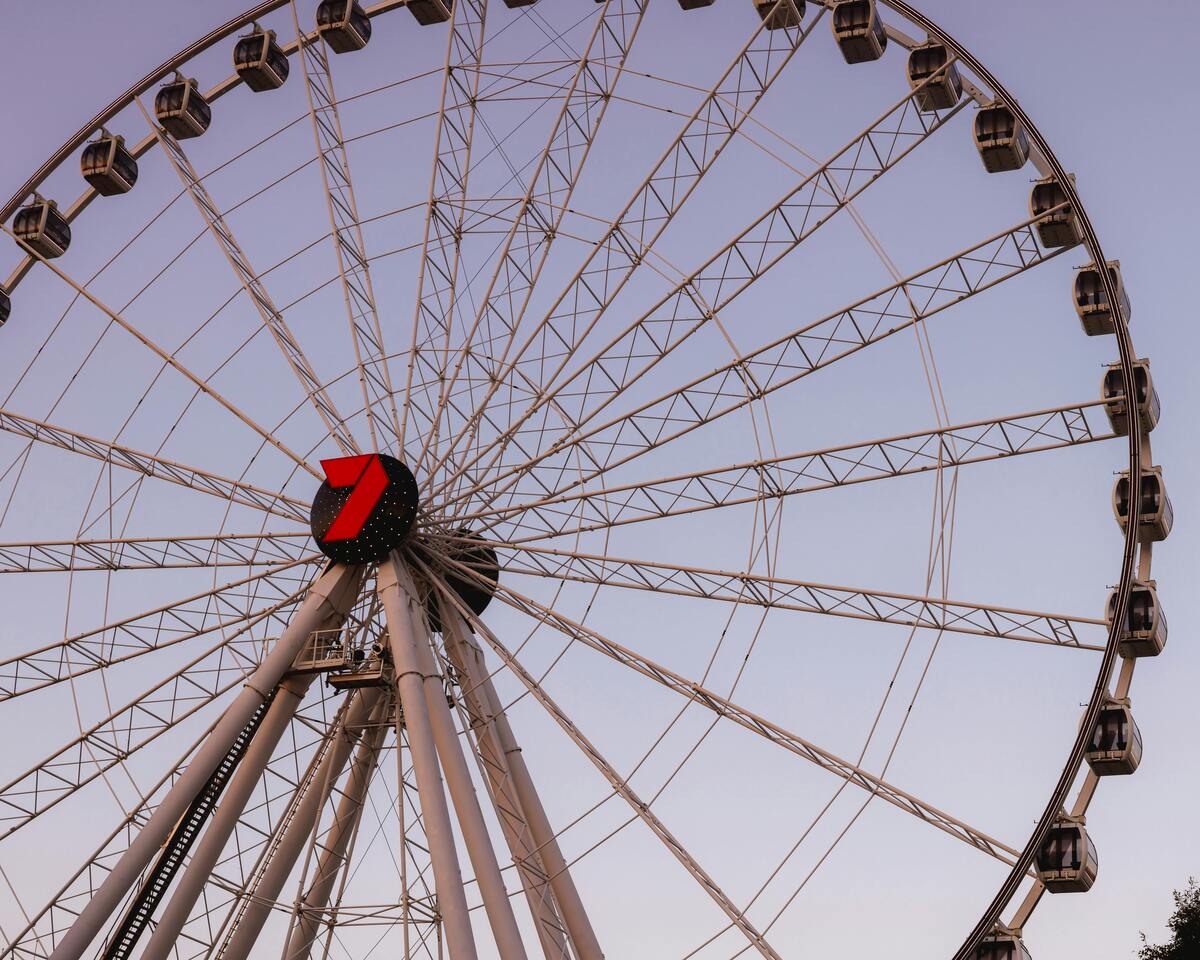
[[233, 803], [307, 914], [244, 936], [410, 687], [329, 598], [579, 927]]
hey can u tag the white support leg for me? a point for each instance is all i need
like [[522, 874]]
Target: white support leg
[[462, 793], [243, 939], [333, 851], [468, 660], [579, 927], [329, 599], [232, 804], [410, 686]]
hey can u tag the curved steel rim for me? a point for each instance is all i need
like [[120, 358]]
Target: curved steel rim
[[1091, 242]]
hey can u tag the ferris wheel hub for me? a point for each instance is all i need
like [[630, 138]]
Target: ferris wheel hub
[[364, 509]]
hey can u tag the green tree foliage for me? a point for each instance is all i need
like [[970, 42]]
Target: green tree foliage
[[1185, 929]]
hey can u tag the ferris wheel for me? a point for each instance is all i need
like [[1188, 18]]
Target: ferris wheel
[[518, 502]]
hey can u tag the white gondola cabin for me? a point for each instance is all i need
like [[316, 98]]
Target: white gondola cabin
[[181, 109], [1057, 223], [934, 79], [1116, 406], [428, 12], [108, 166], [1091, 299], [1116, 745], [1145, 631], [43, 228], [1000, 139], [260, 61], [343, 25], [1155, 513], [5, 306], [1002, 944], [1066, 860], [858, 30], [776, 16]]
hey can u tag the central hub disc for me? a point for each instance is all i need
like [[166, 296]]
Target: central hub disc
[[364, 509]]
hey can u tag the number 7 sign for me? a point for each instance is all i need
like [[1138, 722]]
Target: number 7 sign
[[365, 507]]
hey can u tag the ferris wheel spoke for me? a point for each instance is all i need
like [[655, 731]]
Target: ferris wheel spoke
[[647, 214], [620, 785], [537, 221], [155, 553], [379, 399], [252, 284], [170, 359], [441, 245], [980, 441], [127, 729], [149, 465], [760, 590], [813, 346], [156, 629], [729, 710], [724, 275]]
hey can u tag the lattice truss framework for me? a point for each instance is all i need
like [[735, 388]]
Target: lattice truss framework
[[325, 705]]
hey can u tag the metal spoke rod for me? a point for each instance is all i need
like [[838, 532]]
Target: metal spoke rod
[[518, 805], [272, 319], [727, 709], [328, 601]]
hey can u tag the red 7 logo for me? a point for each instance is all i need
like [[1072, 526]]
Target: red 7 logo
[[366, 475]]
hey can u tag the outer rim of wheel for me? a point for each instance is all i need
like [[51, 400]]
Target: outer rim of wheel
[[1091, 243]]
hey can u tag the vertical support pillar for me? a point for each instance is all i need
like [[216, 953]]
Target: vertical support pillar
[[513, 822], [410, 686], [332, 857], [242, 939], [232, 805], [579, 927], [329, 599], [466, 802]]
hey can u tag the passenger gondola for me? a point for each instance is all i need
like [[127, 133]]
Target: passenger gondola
[[428, 12], [5, 306], [1091, 299], [692, 4], [1002, 944], [934, 79], [1116, 746], [1146, 402], [343, 25], [260, 61], [108, 166], [1155, 513], [43, 228], [1057, 223], [776, 16], [181, 109], [1000, 139], [858, 30], [1066, 860], [1145, 630]]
